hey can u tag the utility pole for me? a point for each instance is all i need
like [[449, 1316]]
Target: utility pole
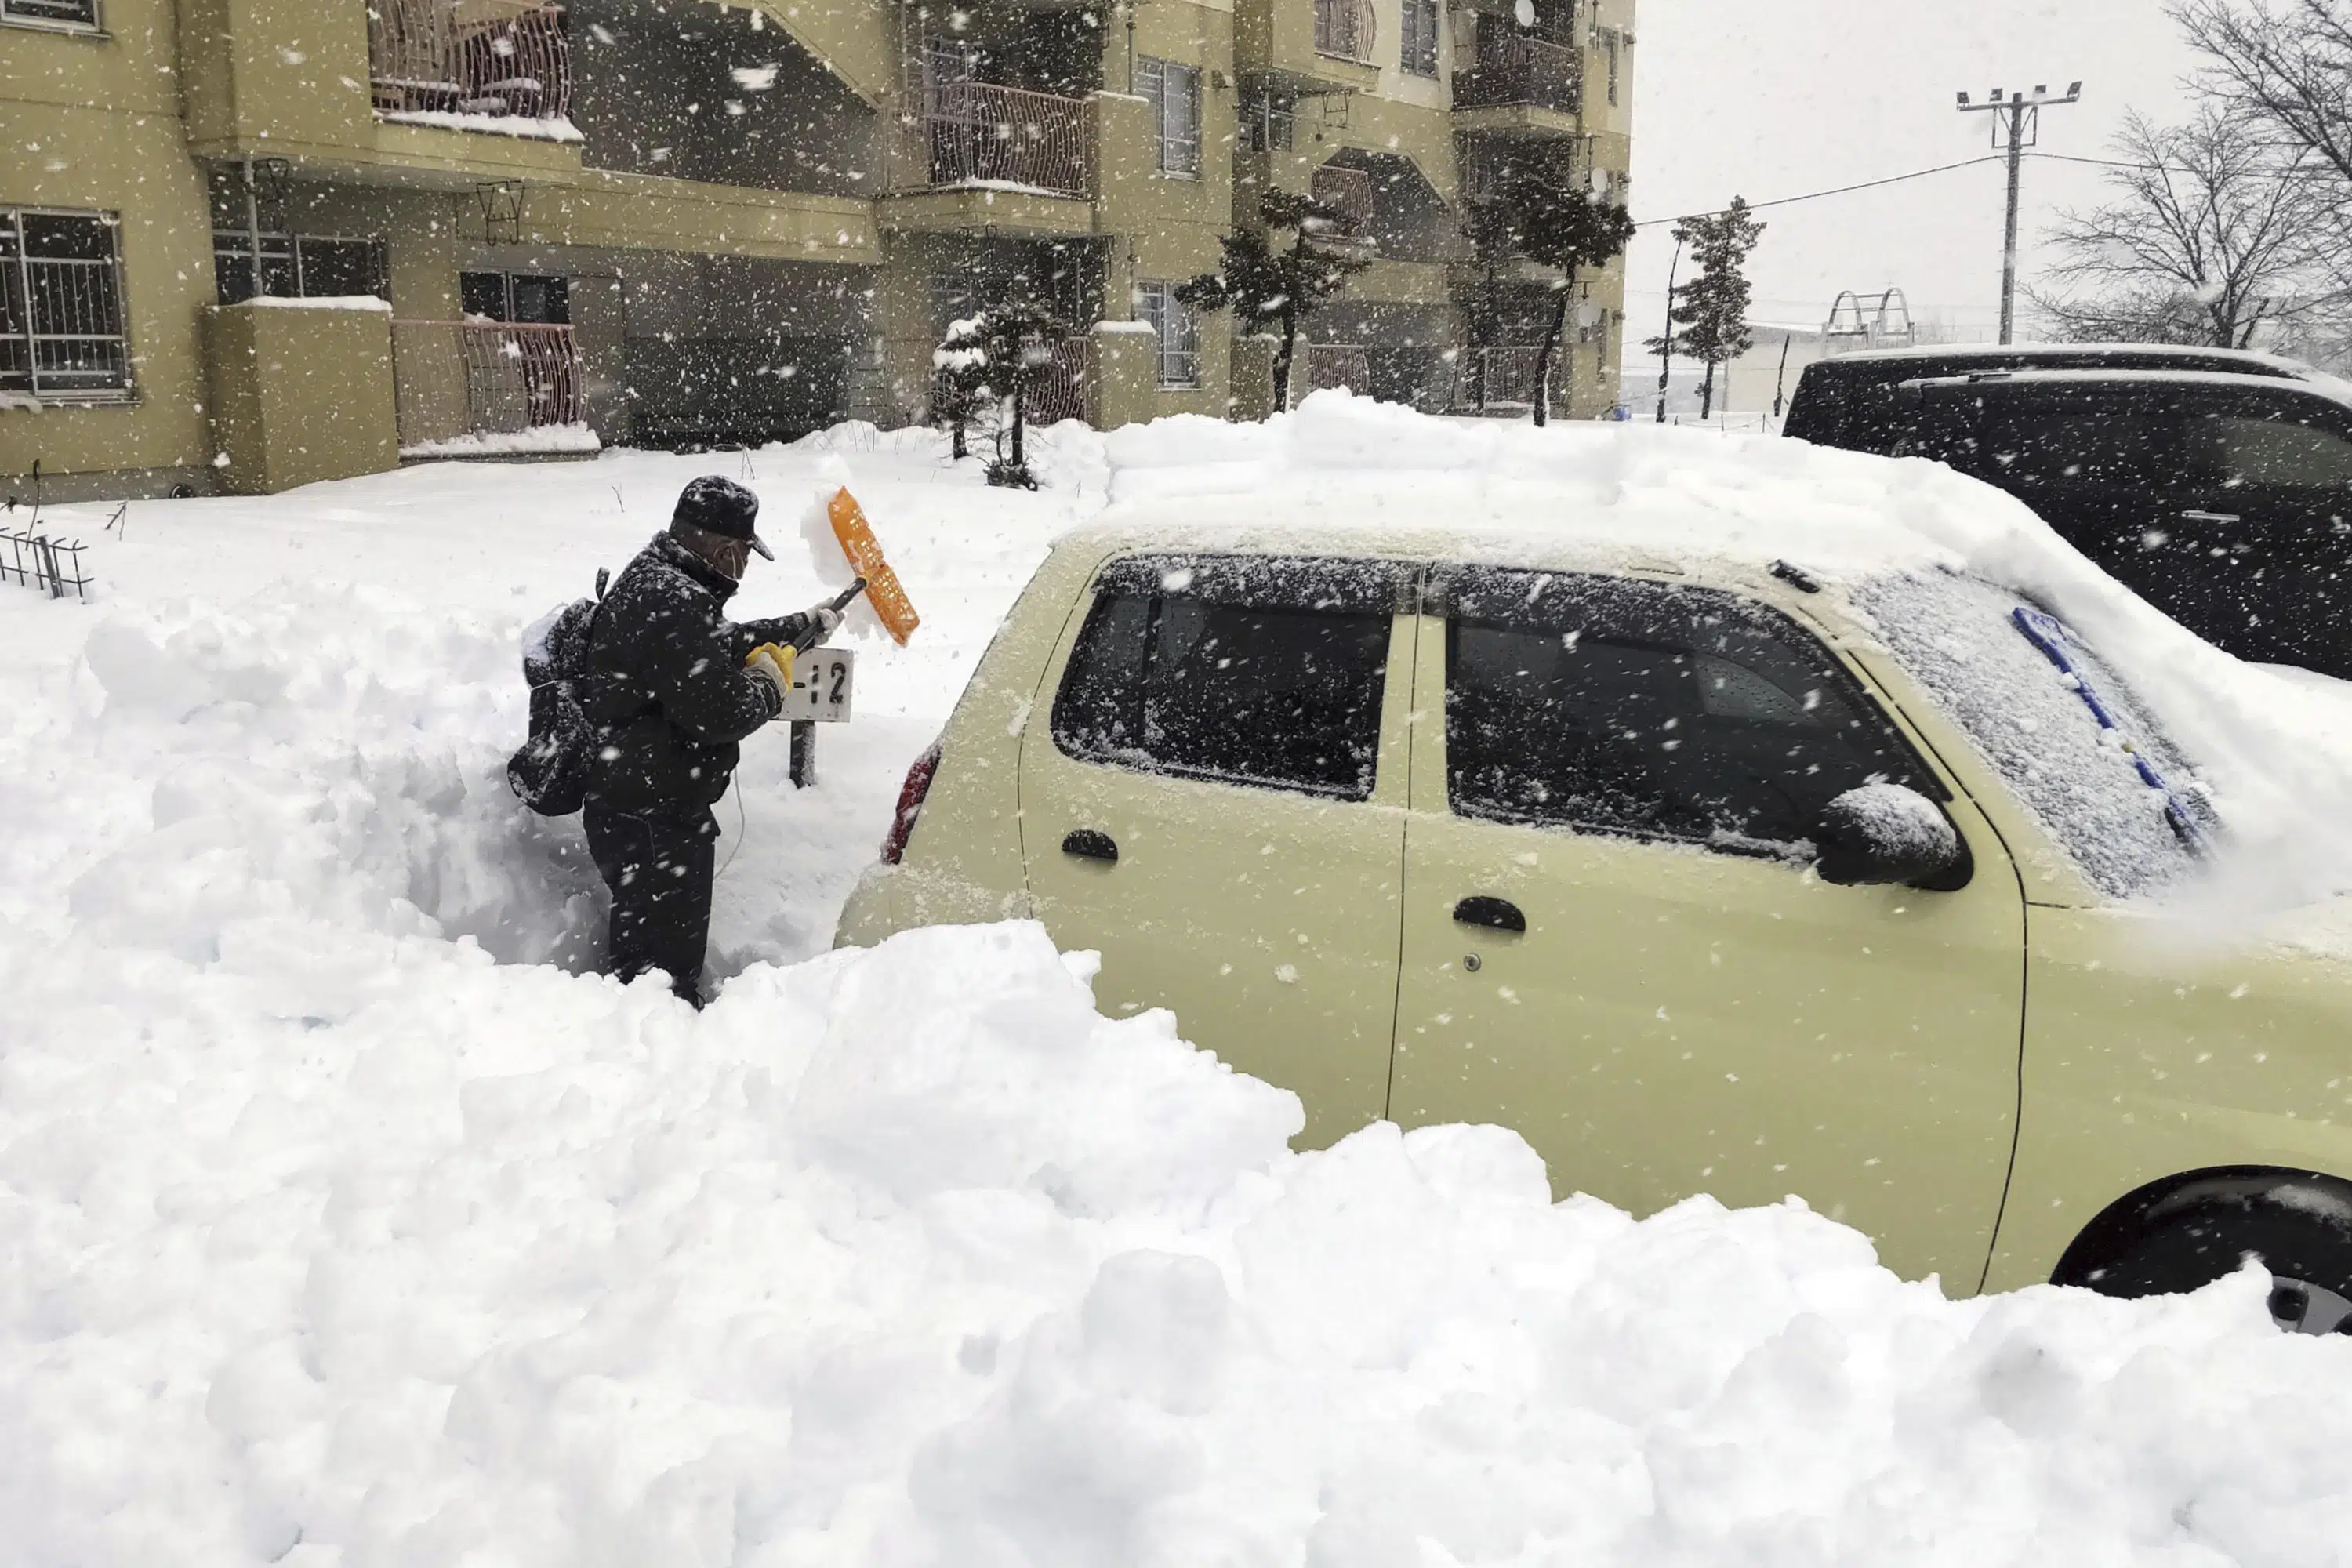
[[2019, 115], [1666, 343]]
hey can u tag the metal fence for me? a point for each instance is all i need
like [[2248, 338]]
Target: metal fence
[[61, 325], [1330, 366], [39, 560], [467, 378], [973, 133], [1512, 69], [485, 57], [1501, 378], [1345, 29], [1060, 395]]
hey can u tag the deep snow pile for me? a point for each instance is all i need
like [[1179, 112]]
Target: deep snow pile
[[336, 1229]]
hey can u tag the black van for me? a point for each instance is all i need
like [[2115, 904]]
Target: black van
[[2217, 486]]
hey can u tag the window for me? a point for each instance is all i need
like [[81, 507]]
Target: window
[[1179, 330], [520, 298], [51, 13], [61, 328], [1958, 637], [2078, 441], [2265, 448], [1420, 43], [1271, 116], [1174, 91], [300, 266], [1656, 711], [1249, 670]]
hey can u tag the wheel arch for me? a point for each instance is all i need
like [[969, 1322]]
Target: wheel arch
[[2221, 1192]]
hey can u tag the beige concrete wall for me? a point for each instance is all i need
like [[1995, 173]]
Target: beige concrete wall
[[301, 394], [90, 123]]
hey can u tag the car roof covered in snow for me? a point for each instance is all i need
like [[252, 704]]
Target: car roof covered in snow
[[1348, 475]]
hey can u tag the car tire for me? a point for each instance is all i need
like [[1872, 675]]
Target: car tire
[[2185, 1236]]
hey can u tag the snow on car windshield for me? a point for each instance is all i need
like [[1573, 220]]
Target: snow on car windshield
[[1960, 637]]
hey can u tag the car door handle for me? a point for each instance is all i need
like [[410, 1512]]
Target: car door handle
[[1495, 914], [1087, 844], [2194, 516]]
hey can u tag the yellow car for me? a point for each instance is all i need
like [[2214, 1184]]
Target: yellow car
[[1707, 876]]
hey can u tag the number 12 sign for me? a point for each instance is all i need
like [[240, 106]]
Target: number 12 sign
[[822, 680]]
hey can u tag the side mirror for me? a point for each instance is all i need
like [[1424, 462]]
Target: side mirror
[[1884, 834]]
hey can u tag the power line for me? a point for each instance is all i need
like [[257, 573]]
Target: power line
[[1840, 190]]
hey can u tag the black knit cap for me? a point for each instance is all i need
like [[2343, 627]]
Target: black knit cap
[[718, 505]]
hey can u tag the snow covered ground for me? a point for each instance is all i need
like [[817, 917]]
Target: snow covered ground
[[341, 1222]]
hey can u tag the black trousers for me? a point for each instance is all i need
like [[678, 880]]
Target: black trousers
[[658, 866]]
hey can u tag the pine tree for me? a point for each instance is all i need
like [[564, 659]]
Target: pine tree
[[1266, 286], [1553, 219], [1017, 343], [1710, 317], [960, 392]]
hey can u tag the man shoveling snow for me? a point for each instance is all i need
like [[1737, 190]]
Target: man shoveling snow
[[674, 688]]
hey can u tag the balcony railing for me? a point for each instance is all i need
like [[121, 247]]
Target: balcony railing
[[1348, 193], [1330, 366], [1062, 393], [1345, 29], [453, 379], [971, 133], [469, 57], [1514, 70], [1499, 379]]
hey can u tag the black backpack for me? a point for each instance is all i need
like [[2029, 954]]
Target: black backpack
[[550, 774]]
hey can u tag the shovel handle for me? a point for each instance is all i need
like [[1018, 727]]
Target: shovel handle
[[840, 602]]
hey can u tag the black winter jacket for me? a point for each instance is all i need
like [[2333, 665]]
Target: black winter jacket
[[671, 699]]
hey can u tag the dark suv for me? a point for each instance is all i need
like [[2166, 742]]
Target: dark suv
[[2216, 485]]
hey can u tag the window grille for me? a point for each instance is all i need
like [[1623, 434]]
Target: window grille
[[61, 328], [51, 13], [1420, 42], [1174, 91], [300, 266], [1178, 331]]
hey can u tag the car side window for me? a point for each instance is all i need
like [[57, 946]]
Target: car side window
[[1249, 670], [1621, 706], [2039, 440], [2280, 445]]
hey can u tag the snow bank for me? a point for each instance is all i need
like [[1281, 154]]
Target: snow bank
[[539, 441], [327, 1237]]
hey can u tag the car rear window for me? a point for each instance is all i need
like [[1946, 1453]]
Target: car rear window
[[1249, 670], [1960, 637], [1654, 711]]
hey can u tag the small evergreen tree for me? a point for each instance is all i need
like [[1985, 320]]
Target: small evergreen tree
[[960, 392], [1710, 317], [1266, 284], [1553, 219], [1016, 345]]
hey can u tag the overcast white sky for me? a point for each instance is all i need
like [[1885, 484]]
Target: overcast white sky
[[1774, 98]]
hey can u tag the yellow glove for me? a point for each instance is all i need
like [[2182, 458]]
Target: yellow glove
[[773, 663]]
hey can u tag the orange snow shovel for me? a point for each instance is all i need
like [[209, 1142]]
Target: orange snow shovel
[[864, 553]]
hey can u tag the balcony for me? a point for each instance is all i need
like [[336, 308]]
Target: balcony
[[1512, 70], [1005, 138], [993, 159], [477, 59], [488, 386], [1346, 30]]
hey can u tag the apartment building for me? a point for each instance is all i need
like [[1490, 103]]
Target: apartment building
[[713, 222]]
